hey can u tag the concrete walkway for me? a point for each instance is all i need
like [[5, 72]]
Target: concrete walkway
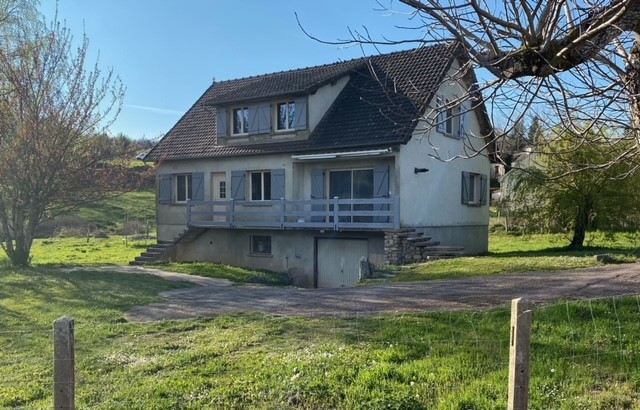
[[216, 297]]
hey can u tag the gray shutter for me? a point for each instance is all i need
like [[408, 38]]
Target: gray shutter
[[465, 187], [237, 185], [221, 122], [277, 184], [300, 122], [381, 190], [264, 119], [253, 119], [483, 189], [197, 179], [465, 113], [260, 119], [164, 189], [317, 192], [441, 115]]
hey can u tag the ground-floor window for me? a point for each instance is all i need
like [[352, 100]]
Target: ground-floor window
[[184, 189], [261, 244], [474, 189]]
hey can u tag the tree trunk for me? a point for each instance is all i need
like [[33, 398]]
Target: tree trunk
[[581, 223]]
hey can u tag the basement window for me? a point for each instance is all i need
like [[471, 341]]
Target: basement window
[[260, 245]]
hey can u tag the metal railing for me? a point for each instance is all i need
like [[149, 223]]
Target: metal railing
[[335, 214]]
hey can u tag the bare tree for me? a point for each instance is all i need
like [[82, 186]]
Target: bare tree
[[52, 110], [573, 63]]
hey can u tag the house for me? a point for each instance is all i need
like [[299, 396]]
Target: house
[[312, 170]]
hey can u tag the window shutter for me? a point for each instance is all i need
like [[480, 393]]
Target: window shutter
[[483, 189], [381, 190], [441, 115], [264, 119], [253, 119], [317, 192], [164, 188], [197, 179], [237, 185], [465, 113], [465, 187], [221, 122], [277, 184], [300, 122]]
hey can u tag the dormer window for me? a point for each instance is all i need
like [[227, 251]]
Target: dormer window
[[241, 121], [286, 115]]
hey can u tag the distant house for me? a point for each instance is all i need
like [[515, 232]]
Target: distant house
[[309, 171]]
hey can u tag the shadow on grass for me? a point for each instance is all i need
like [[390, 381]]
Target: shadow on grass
[[570, 251]]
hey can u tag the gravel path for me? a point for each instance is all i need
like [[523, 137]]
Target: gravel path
[[215, 297]]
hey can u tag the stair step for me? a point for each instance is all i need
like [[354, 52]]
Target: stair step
[[419, 239], [145, 259], [148, 254], [443, 248]]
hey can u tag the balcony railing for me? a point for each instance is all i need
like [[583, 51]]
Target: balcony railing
[[334, 214]]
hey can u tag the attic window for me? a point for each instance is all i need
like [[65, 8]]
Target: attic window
[[449, 118], [240, 121], [286, 115]]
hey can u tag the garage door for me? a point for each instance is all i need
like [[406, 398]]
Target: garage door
[[339, 261]]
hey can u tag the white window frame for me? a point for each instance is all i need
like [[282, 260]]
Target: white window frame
[[289, 122], [188, 188], [244, 126], [222, 189], [263, 177]]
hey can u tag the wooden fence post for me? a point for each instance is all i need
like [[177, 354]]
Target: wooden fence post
[[63, 364], [519, 350]]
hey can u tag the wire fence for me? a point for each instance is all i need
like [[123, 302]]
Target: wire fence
[[584, 355]]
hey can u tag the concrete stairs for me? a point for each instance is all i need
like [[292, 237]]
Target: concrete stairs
[[422, 247], [153, 253], [160, 250]]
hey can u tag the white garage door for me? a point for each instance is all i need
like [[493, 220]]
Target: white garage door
[[339, 261]]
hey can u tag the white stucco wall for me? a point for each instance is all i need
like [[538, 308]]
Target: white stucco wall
[[433, 199]]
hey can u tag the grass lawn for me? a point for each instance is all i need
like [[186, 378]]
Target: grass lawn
[[585, 354], [115, 250], [513, 254]]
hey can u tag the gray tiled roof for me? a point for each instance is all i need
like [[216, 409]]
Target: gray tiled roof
[[377, 107]]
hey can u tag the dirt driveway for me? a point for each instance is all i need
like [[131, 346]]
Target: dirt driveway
[[215, 297]]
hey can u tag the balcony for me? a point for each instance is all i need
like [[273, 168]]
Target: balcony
[[330, 214]]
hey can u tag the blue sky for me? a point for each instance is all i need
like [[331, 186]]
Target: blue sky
[[167, 52]]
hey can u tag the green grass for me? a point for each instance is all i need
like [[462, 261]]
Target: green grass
[[115, 250], [586, 355], [515, 254], [232, 273], [113, 212]]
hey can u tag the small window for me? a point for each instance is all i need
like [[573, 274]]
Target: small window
[[449, 117], [261, 186], [261, 245], [184, 190], [223, 189], [241, 121], [286, 113], [474, 189]]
